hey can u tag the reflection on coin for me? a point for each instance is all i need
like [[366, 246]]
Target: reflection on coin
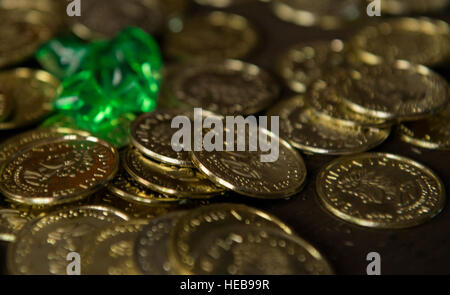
[[253, 250], [380, 191], [32, 92], [109, 251], [418, 40], [58, 170], [327, 14], [213, 36], [125, 187], [231, 87], [305, 130], [302, 64], [11, 222], [14, 144], [23, 31], [397, 7], [42, 246], [245, 173], [169, 180], [151, 252], [196, 224], [101, 19], [431, 133], [152, 133], [401, 91], [324, 98], [6, 106]]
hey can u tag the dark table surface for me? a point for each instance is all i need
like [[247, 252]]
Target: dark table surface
[[424, 249]]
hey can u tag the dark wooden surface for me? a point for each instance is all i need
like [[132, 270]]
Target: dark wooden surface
[[421, 250]]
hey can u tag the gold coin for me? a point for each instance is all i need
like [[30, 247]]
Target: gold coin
[[109, 250], [307, 131], [42, 246], [405, 7], [23, 31], [6, 105], [102, 19], [380, 190], [11, 222], [253, 250], [125, 187], [191, 228], [223, 3], [324, 98], [32, 92], [151, 252], [417, 40], [229, 87], [431, 133], [12, 145], [302, 64], [217, 35], [327, 14], [58, 170], [281, 175], [401, 91], [181, 182]]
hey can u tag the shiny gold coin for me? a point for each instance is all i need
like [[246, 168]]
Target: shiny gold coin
[[31, 91], [229, 87], [305, 130], [214, 36], [431, 133], [58, 170], [11, 222], [405, 7], [109, 250], [42, 246], [169, 180], [191, 228], [253, 250], [12, 145], [324, 98], [22, 32], [417, 40], [6, 106], [401, 91], [302, 64], [102, 19], [380, 190], [327, 14], [151, 252], [258, 174], [125, 187]]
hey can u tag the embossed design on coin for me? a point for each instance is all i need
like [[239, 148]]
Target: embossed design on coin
[[169, 180], [245, 173], [58, 170], [109, 251], [151, 245], [380, 190], [228, 88], [418, 40], [195, 225], [32, 92], [302, 128], [42, 246], [400, 91], [431, 133], [253, 250], [213, 36], [105, 18], [11, 222]]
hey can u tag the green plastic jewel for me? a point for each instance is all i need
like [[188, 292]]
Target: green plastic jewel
[[114, 77]]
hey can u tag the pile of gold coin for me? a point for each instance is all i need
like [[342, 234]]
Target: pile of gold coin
[[158, 206]]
